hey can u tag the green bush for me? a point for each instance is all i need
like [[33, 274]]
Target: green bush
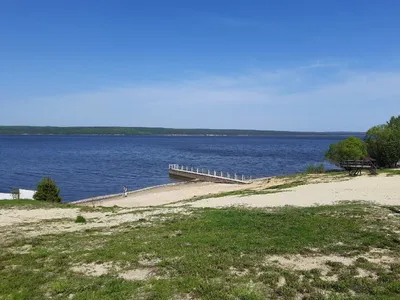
[[383, 143], [80, 219], [315, 169], [351, 148], [47, 190]]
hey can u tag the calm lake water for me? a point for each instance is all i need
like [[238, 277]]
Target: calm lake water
[[87, 166]]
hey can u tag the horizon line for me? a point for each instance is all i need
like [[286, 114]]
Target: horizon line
[[175, 128]]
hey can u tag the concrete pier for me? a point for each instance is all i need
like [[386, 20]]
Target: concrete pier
[[190, 173]]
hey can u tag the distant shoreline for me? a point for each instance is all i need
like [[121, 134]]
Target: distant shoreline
[[157, 131], [191, 135]]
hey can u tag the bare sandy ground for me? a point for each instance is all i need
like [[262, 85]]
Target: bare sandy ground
[[379, 189], [16, 222], [168, 194], [322, 191]]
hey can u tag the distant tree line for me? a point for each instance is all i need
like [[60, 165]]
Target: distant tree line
[[381, 142], [38, 130]]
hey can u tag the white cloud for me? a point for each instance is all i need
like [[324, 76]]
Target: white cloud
[[279, 99]]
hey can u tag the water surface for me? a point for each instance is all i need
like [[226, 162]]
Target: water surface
[[87, 166]]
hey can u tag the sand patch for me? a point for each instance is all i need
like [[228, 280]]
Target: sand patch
[[366, 274], [332, 278], [239, 273], [377, 189], [96, 220], [307, 263], [168, 194], [184, 297], [94, 269], [138, 274], [322, 262], [281, 281], [14, 216], [21, 250], [148, 261]]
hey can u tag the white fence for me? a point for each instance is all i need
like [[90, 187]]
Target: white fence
[[22, 194], [207, 172], [6, 196]]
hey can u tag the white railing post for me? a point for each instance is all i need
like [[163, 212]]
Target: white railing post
[[215, 173], [208, 172], [222, 174], [197, 170], [191, 169], [227, 174], [242, 177]]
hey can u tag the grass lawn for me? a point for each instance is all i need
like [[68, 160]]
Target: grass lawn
[[390, 172], [348, 251]]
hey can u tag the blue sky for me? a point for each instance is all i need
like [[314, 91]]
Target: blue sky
[[283, 65]]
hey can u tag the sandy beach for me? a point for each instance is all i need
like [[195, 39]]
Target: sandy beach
[[167, 194], [318, 190], [380, 190]]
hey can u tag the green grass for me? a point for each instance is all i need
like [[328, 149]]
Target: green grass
[[29, 203], [195, 254], [80, 219], [315, 169], [287, 185], [33, 204], [390, 172]]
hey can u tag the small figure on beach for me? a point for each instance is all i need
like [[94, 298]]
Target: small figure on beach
[[125, 191]]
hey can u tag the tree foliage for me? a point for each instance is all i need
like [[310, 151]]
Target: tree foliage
[[383, 143], [351, 148], [47, 190]]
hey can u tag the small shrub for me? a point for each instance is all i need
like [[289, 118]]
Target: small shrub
[[80, 219], [15, 193], [47, 190], [315, 169]]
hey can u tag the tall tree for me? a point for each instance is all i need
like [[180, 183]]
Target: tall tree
[[383, 143]]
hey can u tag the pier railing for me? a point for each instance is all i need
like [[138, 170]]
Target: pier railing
[[210, 173]]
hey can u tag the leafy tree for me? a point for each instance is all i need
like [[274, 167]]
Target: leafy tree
[[351, 148], [47, 190], [383, 143]]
